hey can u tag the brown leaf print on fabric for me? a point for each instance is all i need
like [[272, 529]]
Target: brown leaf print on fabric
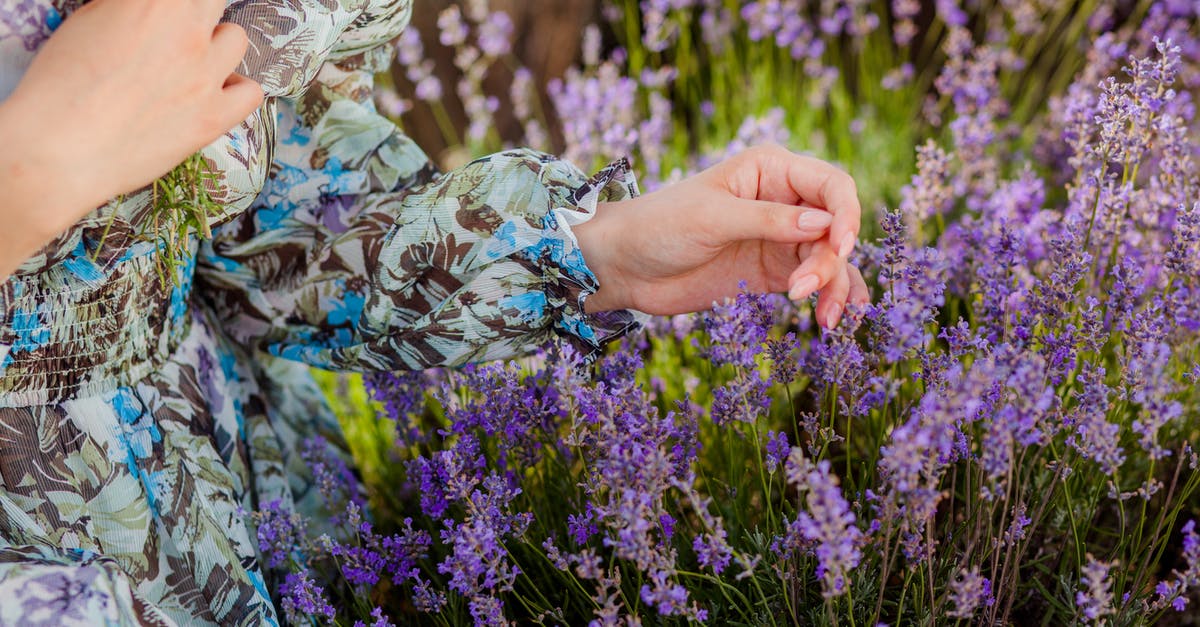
[[481, 220]]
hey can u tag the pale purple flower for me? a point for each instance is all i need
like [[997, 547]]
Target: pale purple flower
[[970, 591], [495, 34], [1017, 529], [452, 29], [429, 88], [828, 522], [930, 192], [909, 305], [653, 135], [1173, 592], [409, 48], [1095, 600], [716, 26], [478, 565], [599, 112], [670, 598], [744, 399], [951, 12], [1094, 436], [591, 45], [712, 550]]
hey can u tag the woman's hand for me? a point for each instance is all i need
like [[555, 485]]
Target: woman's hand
[[121, 93], [777, 220]]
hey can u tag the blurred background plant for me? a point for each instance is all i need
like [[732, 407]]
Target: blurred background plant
[[1003, 437]]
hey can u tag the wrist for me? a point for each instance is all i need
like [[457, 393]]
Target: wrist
[[598, 239]]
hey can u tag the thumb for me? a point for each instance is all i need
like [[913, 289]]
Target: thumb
[[772, 221]]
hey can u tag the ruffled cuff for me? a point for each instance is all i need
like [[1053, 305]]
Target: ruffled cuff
[[567, 280]]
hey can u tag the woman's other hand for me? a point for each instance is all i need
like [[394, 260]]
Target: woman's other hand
[[122, 92], [780, 221]]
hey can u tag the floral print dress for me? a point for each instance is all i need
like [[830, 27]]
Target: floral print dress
[[140, 419]]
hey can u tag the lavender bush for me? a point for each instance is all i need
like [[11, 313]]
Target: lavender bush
[[1004, 436]]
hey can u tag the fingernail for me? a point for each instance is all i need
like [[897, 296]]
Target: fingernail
[[831, 319], [847, 245], [805, 286], [813, 220]]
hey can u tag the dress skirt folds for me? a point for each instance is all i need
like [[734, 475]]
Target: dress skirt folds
[[142, 419]]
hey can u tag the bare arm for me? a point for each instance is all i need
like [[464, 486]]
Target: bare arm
[[38, 200]]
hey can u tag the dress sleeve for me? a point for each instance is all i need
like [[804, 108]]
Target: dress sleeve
[[357, 254]]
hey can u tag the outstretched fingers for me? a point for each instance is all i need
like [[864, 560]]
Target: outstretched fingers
[[771, 222]]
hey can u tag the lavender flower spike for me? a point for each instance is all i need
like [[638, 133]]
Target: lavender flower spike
[[1095, 601]]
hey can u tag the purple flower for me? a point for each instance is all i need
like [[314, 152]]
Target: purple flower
[[742, 400], [448, 476], [712, 550], [426, 599], [599, 112], [970, 591], [669, 598], [478, 565], [1183, 257], [303, 600], [929, 193], [838, 362], [360, 566], [337, 484], [904, 29], [753, 131], [1172, 592], [495, 34], [653, 134], [402, 395], [829, 524], [452, 29], [281, 533], [737, 329], [582, 526], [1017, 529], [951, 13], [1095, 600], [402, 551], [1094, 436], [380, 619], [1191, 549], [777, 450]]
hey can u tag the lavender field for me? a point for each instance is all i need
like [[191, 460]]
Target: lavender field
[[1005, 436]]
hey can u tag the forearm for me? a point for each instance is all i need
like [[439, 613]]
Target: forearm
[[37, 197]]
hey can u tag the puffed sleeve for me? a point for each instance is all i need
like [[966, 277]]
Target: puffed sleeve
[[357, 254]]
